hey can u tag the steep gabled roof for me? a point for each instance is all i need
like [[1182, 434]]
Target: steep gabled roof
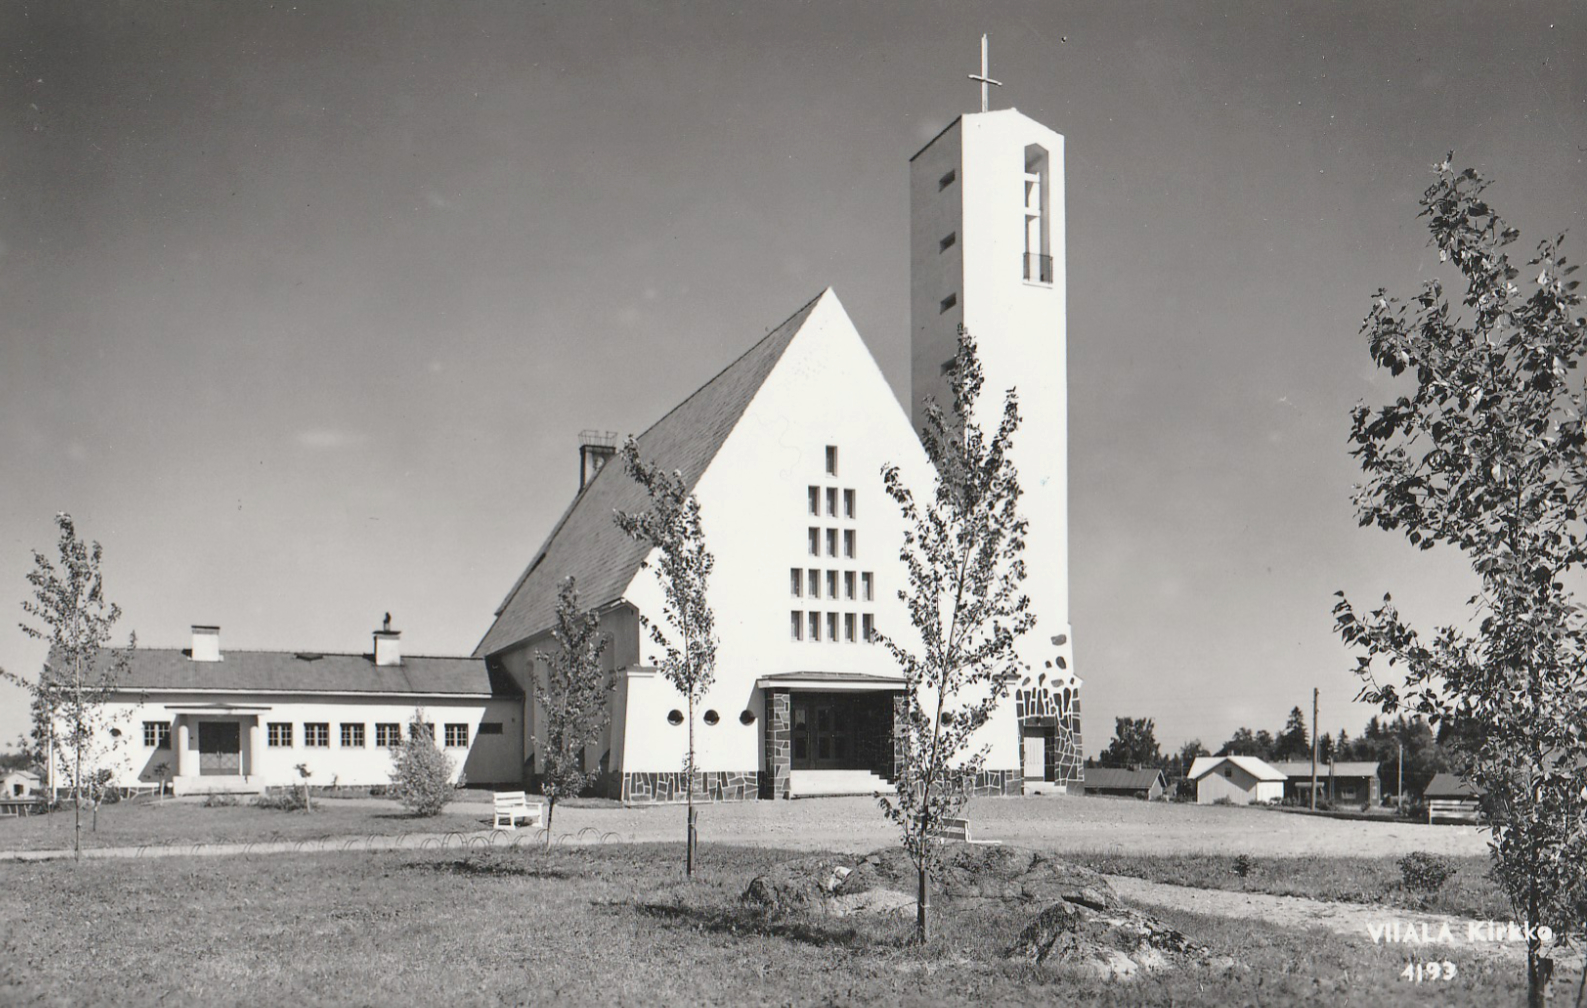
[[586, 543], [1203, 765], [160, 669]]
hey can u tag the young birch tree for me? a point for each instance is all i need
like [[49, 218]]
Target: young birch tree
[[1486, 453], [962, 553], [687, 655], [572, 698], [69, 611]]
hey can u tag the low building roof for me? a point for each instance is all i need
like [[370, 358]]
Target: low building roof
[[1257, 768], [1448, 785], [1121, 777], [173, 670], [1302, 768]]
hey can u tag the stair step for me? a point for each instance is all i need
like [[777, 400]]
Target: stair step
[[828, 783]]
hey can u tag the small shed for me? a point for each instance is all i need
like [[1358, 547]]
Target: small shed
[[1119, 782], [1350, 783], [1451, 798], [20, 784], [1241, 779]]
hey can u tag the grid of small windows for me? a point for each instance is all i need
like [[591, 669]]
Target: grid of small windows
[[352, 735], [278, 734], [316, 734], [388, 734], [839, 505], [457, 736], [157, 734]]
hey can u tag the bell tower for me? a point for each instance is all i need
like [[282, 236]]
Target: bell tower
[[987, 252]]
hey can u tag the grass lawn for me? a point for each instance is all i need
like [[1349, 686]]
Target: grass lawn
[[1372, 880], [133, 824], [601, 925]]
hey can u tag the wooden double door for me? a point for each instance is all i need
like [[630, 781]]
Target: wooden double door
[[840, 731], [219, 748]]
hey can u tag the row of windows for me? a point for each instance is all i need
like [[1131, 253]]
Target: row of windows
[[834, 627], [849, 543], [317, 734], [831, 497], [807, 584]]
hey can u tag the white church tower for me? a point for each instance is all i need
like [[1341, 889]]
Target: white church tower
[[987, 252]]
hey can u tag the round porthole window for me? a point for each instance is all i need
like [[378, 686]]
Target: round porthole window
[[115, 733], [1061, 640], [712, 717], [675, 717], [747, 717]]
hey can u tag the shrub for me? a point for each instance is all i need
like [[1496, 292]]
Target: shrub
[[282, 799], [421, 774], [1243, 865], [217, 800], [1424, 872], [1225, 800]]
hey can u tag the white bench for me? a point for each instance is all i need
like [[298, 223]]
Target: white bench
[[512, 806], [959, 829]]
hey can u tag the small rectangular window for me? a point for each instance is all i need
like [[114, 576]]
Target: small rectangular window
[[848, 627], [317, 734], [946, 180], [815, 626], [832, 584], [490, 728], [388, 734], [814, 582], [848, 543], [948, 302], [848, 585], [796, 582], [815, 542], [796, 625], [832, 460], [157, 734], [947, 241], [848, 504], [832, 542], [278, 735], [869, 584], [815, 500], [868, 628], [352, 735], [832, 501], [457, 736], [832, 627]]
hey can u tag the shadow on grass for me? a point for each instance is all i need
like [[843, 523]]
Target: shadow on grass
[[498, 868], [744, 921]]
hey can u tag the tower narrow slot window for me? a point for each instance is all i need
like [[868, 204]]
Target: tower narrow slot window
[[1038, 236]]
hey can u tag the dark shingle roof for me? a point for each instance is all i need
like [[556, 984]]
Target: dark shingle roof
[[286, 671], [1118, 777], [1448, 785], [586, 543], [1302, 768]]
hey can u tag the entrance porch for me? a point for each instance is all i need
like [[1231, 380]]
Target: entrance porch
[[218, 750], [828, 734]]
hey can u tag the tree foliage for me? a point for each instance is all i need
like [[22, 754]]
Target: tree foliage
[[1134, 744], [1294, 742], [962, 557], [72, 726], [572, 698], [421, 774], [1486, 453], [686, 648]]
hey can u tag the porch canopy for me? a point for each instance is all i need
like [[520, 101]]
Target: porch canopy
[[829, 681]]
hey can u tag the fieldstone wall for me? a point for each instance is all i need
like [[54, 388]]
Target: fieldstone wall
[[773, 781], [998, 784], [668, 786], [1055, 705]]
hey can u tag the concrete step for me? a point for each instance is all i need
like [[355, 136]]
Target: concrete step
[[829, 783], [216, 784]]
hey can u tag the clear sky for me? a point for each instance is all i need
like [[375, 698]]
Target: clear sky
[[303, 307]]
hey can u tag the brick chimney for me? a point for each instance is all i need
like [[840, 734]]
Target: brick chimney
[[388, 644], [596, 448], [206, 643]]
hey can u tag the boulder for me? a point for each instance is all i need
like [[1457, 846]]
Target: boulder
[[1115, 943]]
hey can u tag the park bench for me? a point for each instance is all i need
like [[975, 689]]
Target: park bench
[[958, 829], [512, 806]]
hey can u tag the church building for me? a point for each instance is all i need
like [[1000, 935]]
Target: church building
[[784, 450]]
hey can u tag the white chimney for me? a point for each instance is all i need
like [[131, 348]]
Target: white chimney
[[388, 644], [206, 643]]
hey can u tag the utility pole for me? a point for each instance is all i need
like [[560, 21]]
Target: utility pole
[[1399, 770], [1314, 749]]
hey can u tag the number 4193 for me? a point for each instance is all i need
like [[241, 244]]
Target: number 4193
[[1418, 971]]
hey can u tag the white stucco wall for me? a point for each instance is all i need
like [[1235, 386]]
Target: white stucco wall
[[487, 759], [826, 390]]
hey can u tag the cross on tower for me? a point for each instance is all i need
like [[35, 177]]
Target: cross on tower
[[982, 76]]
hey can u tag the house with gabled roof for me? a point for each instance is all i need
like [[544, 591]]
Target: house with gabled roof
[[1242, 780]]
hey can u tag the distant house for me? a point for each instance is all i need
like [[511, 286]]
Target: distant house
[[1354, 783], [22, 784], [1240, 779], [1452, 799], [1118, 782]]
